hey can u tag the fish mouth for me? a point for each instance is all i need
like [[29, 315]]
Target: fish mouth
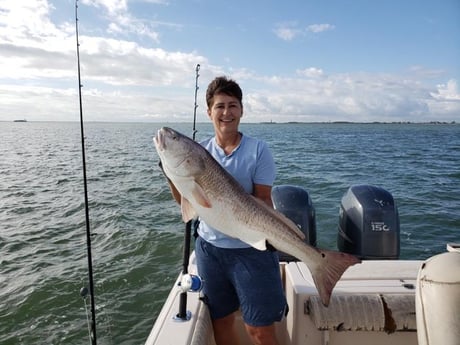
[[159, 140], [160, 143]]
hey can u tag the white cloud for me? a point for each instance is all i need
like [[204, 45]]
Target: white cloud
[[122, 79], [32, 47], [311, 72], [290, 30], [317, 28], [121, 23], [27, 23], [286, 31], [350, 97], [125, 80], [112, 6], [447, 92], [446, 100]]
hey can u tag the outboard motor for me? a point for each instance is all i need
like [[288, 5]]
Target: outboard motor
[[295, 203], [369, 223]]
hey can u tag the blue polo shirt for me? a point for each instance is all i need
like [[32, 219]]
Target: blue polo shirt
[[251, 162]]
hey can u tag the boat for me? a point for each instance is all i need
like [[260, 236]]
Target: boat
[[20, 120], [374, 302]]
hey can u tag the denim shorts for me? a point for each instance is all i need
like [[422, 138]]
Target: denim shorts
[[244, 278]]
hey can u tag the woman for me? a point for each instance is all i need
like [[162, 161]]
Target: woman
[[236, 275]]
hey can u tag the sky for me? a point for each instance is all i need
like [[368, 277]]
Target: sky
[[296, 60]]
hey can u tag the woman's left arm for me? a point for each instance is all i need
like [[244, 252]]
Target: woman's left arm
[[264, 193]]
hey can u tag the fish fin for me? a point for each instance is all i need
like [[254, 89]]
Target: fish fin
[[260, 245], [188, 212], [291, 226], [256, 241], [328, 272], [200, 196]]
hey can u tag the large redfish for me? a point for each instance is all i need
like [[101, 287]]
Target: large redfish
[[210, 192]]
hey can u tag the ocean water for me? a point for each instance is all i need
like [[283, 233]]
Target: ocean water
[[137, 231]]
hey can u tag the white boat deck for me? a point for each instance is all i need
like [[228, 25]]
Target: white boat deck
[[373, 303]]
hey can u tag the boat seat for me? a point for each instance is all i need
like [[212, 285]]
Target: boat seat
[[364, 312]]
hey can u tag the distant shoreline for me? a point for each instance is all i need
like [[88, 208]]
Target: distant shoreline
[[265, 122], [367, 123]]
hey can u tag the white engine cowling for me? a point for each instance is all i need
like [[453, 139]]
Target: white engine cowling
[[438, 300]]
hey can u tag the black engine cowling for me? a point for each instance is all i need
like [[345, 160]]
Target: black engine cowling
[[369, 223], [295, 203]]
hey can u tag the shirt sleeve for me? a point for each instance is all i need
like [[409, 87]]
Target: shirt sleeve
[[265, 172]]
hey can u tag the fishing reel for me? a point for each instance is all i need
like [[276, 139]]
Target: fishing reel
[[191, 283]]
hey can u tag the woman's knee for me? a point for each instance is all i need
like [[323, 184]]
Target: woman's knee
[[265, 335]]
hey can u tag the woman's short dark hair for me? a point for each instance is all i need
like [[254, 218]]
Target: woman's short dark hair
[[223, 85]]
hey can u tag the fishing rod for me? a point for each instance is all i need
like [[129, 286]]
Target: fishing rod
[[188, 282], [84, 291], [197, 70]]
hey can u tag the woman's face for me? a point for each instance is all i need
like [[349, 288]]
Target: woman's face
[[225, 113]]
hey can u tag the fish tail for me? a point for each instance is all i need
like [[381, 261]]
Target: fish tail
[[329, 271]]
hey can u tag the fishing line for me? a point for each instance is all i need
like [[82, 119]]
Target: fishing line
[[84, 294], [92, 323], [104, 316]]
